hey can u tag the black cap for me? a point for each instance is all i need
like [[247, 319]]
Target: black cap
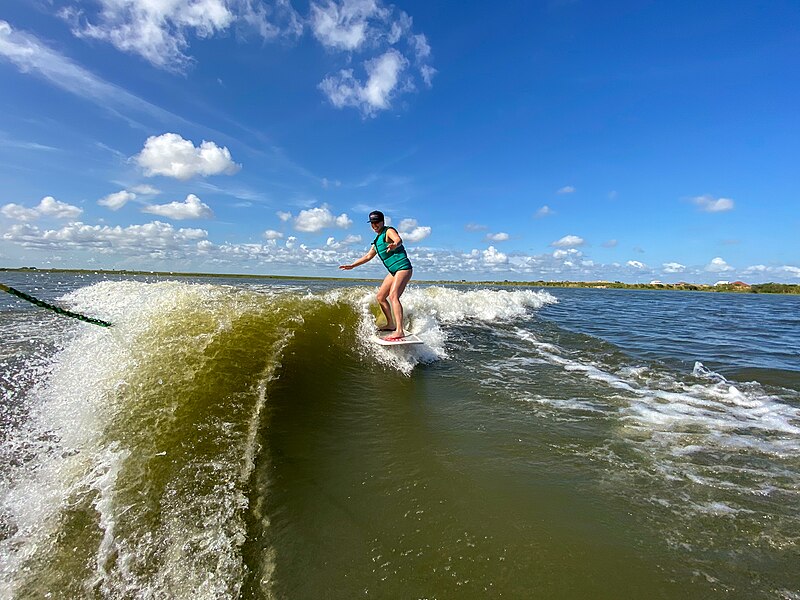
[[376, 216]]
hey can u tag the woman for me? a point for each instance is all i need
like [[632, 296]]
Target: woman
[[389, 247]]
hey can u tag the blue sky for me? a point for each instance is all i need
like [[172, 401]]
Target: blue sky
[[556, 140]]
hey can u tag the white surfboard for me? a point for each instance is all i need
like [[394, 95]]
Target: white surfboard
[[409, 339]]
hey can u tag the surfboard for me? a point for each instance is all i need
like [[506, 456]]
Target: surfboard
[[408, 340]]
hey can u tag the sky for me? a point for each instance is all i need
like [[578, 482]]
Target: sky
[[553, 140]]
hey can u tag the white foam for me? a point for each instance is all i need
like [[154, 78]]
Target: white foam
[[69, 454], [429, 310]]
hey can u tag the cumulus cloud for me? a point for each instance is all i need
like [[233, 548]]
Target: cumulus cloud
[[271, 234], [411, 232], [567, 254], [568, 241], [350, 239], [47, 207], [191, 208], [545, 211], [492, 256], [153, 239], [567, 189], [718, 265], [497, 237], [635, 264], [383, 76], [317, 219], [160, 32], [172, 156], [116, 200], [673, 267], [774, 271], [710, 204]]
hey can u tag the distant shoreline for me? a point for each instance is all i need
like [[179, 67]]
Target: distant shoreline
[[736, 287]]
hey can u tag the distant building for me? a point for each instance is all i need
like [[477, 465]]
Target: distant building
[[656, 282], [723, 283]]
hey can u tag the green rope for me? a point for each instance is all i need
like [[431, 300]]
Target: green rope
[[55, 309]]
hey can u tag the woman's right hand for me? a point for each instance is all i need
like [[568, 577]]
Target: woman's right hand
[[346, 267]]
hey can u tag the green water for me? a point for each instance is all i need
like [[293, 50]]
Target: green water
[[235, 442], [386, 486]]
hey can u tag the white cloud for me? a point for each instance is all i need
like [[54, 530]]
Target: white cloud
[[383, 77], [350, 239], [191, 208], [710, 204], [567, 189], [160, 32], [291, 242], [51, 207], [610, 244], [271, 234], [17, 212], [47, 207], [117, 200], [570, 253], [497, 237], [172, 156], [475, 227], [427, 73], [344, 25], [317, 219], [153, 239], [718, 265], [636, 264], [145, 190], [545, 211], [569, 241], [776, 272], [491, 256], [284, 216], [411, 232], [422, 49], [343, 221], [673, 267], [368, 25]]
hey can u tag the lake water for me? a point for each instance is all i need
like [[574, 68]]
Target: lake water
[[245, 438]]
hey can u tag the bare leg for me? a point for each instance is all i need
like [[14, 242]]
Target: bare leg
[[383, 302], [401, 279]]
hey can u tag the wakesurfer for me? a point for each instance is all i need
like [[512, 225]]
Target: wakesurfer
[[388, 246]]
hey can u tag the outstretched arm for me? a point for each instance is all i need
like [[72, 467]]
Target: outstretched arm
[[364, 259]]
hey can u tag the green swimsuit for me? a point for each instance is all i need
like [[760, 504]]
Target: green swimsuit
[[394, 260]]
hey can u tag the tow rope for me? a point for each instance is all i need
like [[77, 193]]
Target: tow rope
[[55, 309]]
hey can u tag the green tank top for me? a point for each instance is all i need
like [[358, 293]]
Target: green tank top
[[394, 260]]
